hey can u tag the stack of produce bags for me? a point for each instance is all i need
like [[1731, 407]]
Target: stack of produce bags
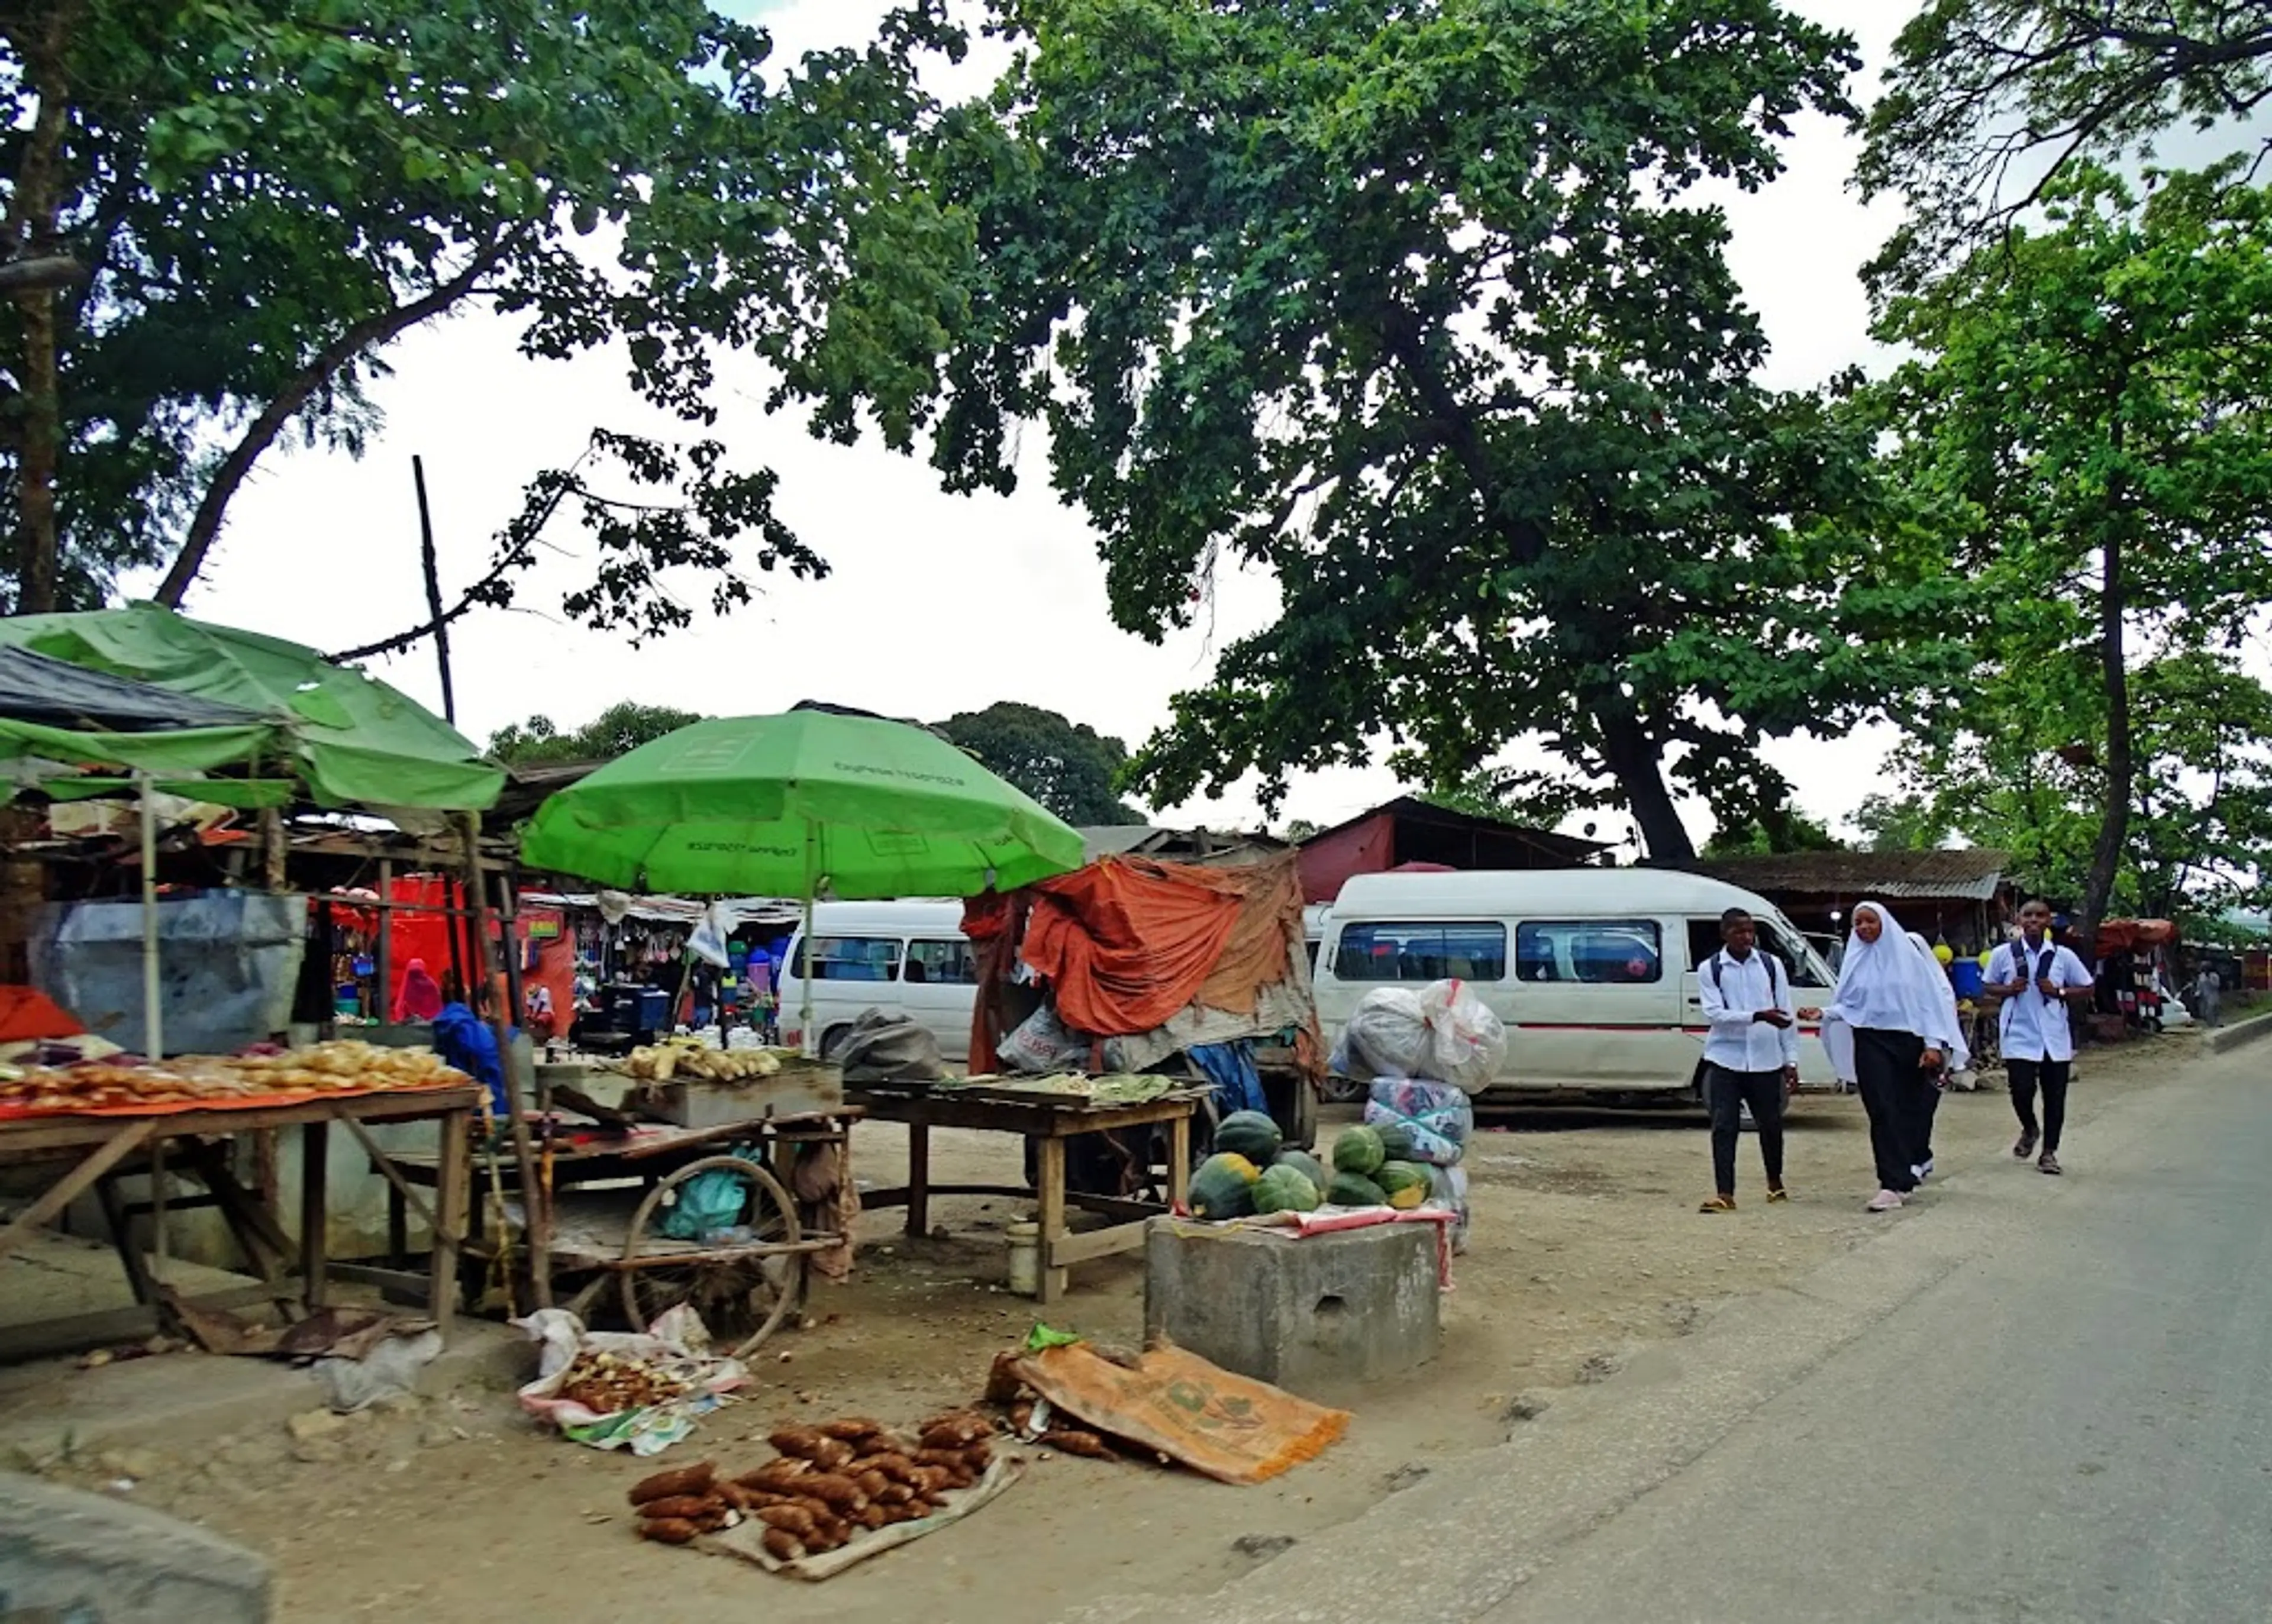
[[1427, 1052]]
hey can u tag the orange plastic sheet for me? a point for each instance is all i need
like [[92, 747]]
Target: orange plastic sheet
[[1127, 942], [26, 1014], [1229, 1427]]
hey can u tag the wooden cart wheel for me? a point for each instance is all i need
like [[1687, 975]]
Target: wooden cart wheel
[[737, 1297]]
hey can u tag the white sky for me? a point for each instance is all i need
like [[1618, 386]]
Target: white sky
[[937, 603]]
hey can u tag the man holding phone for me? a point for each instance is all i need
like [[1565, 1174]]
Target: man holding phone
[[2035, 978], [1751, 1053]]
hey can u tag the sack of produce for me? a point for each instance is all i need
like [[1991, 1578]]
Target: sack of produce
[[1450, 1192], [1043, 1045], [1420, 1121], [882, 1049], [1441, 1034]]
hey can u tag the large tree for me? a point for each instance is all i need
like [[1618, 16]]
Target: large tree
[[219, 216], [2087, 425], [1069, 768], [1988, 102], [617, 731], [2019, 777], [1418, 307]]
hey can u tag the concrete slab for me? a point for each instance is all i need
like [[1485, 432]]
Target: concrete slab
[[83, 1559], [1318, 1316]]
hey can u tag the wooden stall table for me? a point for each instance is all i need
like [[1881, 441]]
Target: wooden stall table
[[109, 1139], [1050, 1120]]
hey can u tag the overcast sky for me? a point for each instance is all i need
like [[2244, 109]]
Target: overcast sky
[[937, 603]]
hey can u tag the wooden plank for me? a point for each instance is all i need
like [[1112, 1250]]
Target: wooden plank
[[1179, 1161], [121, 1143], [30, 1134], [1054, 1278], [918, 1179], [1040, 1119], [450, 1219], [314, 1149], [1114, 1238]]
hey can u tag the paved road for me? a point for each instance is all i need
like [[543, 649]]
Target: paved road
[[2073, 1423]]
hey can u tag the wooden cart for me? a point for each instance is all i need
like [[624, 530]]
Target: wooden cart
[[611, 1188]]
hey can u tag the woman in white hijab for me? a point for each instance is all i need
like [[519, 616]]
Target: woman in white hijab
[[1956, 1058], [1904, 1028]]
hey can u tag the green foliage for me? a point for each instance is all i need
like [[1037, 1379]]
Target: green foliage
[[617, 731], [1773, 831], [264, 196], [1415, 306], [2084, 428], [1988, 101], [1069, 769]]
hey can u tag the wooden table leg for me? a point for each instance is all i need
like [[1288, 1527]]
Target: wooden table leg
[[60, 1194], [122, 1236], [918, 1179], [397, 1223], [1055, 1277], [1179, 1161], [450, 1174], [315, 1151]]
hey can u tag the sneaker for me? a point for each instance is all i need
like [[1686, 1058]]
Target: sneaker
[[2025, 1148], [2048, 1163], [1884, 1201]]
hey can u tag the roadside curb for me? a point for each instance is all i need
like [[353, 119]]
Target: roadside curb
[[2227, 1038]]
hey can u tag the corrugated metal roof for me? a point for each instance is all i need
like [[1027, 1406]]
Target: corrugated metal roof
[[1973, 873]]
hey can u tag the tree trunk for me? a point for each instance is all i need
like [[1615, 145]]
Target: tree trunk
[[31, 235], [2114, 816], [1637, 762]]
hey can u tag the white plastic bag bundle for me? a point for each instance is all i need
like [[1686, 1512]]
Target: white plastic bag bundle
[[1440, 1034]]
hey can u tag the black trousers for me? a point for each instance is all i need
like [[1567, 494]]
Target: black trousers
[[2053, 1076], [1928, 1106], [1886, 1072], [1728, 1093]]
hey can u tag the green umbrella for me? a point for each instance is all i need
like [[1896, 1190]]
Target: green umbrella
[[793, 805]]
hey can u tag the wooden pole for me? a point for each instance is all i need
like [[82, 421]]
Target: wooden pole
[[384, 1009], [153, 1022], [432, 569], [532, 1192]]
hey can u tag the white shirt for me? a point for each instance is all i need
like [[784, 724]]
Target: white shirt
[[2032, 1027], [1733, 990]]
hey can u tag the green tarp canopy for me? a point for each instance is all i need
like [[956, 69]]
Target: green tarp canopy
[[352, 739]]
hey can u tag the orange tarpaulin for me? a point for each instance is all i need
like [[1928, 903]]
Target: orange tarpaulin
[[27, 1012], [1127, 942]]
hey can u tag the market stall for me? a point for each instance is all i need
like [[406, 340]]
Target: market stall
[[1049, 1117], [94, 1122]]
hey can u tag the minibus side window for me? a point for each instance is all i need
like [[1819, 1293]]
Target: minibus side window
[[1380, 950]]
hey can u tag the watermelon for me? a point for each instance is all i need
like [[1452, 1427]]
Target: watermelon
[[1249, 1133], [1308, 1165], [1224, 1187], [1358, 1150], [1285, 1189], [1406, 1185], [1396, 1142], [1355, 1190]]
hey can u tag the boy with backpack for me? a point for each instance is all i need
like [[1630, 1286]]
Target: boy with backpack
[[1751, 1053]]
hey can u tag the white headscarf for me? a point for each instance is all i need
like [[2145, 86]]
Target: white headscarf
[[1886, 984], [1959, 1055]]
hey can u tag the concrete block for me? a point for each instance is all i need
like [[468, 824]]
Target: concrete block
[[80, 1559], [1322, 1314]]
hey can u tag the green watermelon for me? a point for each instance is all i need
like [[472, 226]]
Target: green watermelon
[[1395, 1141], [1249, 1133], [1224, 1187], [1285, 1189], [1308, 1165], [1358, 1150], [1405, 1185], [1355, 1190]]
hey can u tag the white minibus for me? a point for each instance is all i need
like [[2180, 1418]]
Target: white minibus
[[909, 960], [1593, 970]]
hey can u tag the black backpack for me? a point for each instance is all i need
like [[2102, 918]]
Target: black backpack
[[1712, 969]]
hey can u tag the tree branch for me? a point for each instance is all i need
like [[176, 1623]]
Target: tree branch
[[368, 333]]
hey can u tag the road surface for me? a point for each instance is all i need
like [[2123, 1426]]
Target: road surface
[[2031, 1399], [2076, 1424]]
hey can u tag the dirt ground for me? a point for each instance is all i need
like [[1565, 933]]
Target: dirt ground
[[1586, 1248]]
